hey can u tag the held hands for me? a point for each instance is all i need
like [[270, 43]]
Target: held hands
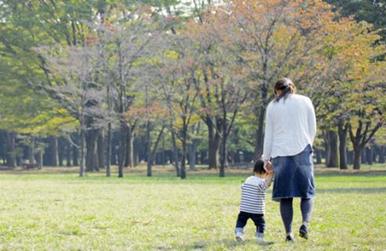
[[268, 167]]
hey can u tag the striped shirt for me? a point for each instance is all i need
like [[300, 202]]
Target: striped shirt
[[253, 194]]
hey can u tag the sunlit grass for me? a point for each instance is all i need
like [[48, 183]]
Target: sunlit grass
[[54, 210]]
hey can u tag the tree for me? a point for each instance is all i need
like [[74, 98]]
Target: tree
[[177, 74], [74, 86], [373, 12], [148, 115], [134, 42], [33, 24], [355, 81], [275, 39]]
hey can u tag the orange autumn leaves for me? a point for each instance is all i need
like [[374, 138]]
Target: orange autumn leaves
[[295, 37]]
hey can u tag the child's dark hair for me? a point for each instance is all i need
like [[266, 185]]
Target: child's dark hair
[[259, 167]]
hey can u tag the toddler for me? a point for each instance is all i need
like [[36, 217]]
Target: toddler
[[252, 203]]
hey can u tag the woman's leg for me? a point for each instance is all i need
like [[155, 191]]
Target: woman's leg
[[287, 212], [306, 208]]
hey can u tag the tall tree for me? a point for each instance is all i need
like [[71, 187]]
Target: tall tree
[[373, 12], [275, 39], [354, 82]]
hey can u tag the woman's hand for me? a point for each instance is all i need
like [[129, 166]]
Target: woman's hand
[[268, 166]]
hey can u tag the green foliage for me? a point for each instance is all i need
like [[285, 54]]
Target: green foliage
[[24, 111], [26, 26], [198, 56], [373, 12]]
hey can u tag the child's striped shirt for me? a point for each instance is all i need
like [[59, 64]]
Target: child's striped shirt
[[253, 195]]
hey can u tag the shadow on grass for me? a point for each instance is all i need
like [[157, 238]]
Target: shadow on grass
[[331, 173], [227, 243], [199, 175], [365, 190]]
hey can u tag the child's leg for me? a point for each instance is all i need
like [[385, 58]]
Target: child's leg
[[286, 212], [259, 221], [242, 219]]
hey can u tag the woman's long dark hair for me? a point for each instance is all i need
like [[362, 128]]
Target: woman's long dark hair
[[286, 87]]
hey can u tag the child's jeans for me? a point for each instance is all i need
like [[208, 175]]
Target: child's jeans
[[258, 219]]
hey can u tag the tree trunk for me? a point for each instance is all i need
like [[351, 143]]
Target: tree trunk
[[260, 133], [152, 152], [2, 147], [52, 152], [149, 159], [82, 151], [11, 149], [350, 157], [192, 155], [39, 159], [163, 152], [261, 115], [213, 140], [175, 152], [91, 153], [203, 157], [31, 150], [122, 105], [135, 152], [382, 153], [223, 152], [130, 147], [75, 155], [357, 157], [183, 159], [363, 155], [101, 149], [369, 155], [108, 154], [122, 151], [19, 159], [376, 153], [223, 155], [342, 134], [332, 141], [127, 159], [61, 151], [318, 154], [68, 154], [114, 149]]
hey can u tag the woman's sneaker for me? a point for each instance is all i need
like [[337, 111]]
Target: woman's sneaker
[[289, 238], [303, 231]]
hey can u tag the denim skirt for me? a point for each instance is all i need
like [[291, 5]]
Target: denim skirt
[[294, 176]]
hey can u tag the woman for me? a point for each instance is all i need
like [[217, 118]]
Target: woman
[[289, 133]]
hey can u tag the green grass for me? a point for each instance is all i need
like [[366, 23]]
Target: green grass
[[56, 210]]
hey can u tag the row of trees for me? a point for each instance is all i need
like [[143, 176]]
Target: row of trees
[[100, 83]]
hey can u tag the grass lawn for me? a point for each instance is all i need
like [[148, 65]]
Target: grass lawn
[[56, 210]]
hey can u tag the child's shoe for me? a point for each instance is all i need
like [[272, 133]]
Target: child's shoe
[[260, 240], [239, 235]]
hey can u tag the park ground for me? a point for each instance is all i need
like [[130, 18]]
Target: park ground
[[54, 209]]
